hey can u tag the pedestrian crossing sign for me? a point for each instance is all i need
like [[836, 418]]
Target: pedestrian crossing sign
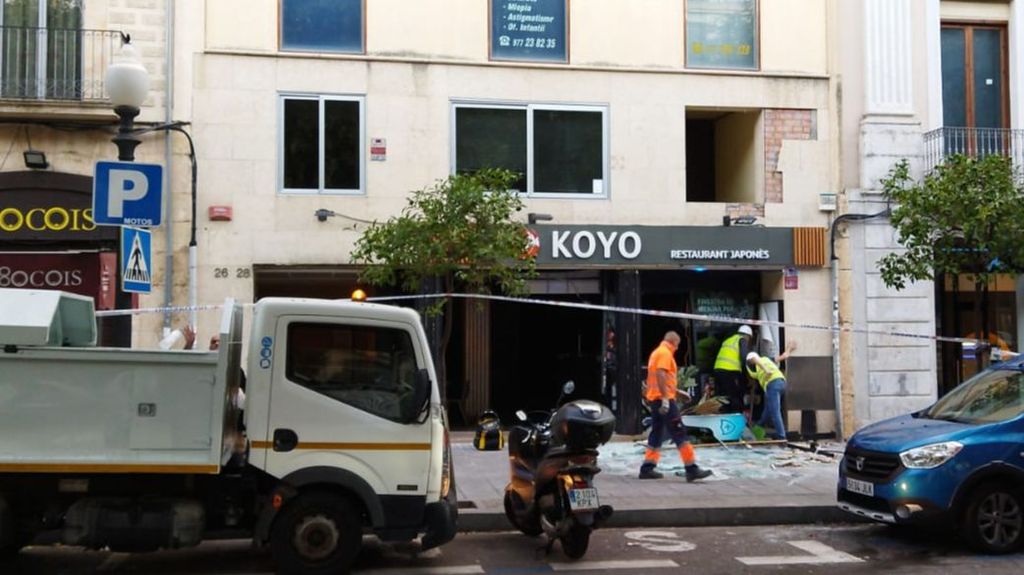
[[136, 260]]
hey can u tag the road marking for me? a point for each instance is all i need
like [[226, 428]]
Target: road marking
[[113, 561], [820, 554], [610, 565], [445, 570], [663, 541]]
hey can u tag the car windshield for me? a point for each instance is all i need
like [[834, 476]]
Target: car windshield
[[989, 397]]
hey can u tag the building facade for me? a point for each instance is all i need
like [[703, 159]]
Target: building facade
[[641, 132], [55, 124], [919, 80]]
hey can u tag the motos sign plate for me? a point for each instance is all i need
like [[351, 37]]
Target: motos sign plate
[[127, 194]]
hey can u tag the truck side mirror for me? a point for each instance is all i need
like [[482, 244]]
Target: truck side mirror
[[419, 398]]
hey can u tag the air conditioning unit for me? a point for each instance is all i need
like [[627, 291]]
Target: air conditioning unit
[[827, 202]]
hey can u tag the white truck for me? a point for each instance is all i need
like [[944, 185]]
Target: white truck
[[341, 433]]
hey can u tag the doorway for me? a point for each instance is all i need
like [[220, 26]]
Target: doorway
[[975, 88]]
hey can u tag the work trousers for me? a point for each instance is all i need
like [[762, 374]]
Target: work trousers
[[773, 407], [670, 423]]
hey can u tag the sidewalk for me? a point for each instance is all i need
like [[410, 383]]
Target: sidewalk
[[751, 486]]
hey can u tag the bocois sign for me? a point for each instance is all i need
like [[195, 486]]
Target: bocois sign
[[51, 218], [61, 216]]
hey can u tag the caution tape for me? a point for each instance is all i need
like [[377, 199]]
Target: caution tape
[[592, 307], [169, 309]]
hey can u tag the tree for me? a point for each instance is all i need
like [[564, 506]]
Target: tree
[[964, 217], [459, 230]]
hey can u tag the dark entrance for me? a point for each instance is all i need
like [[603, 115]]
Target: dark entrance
[[537, 348]]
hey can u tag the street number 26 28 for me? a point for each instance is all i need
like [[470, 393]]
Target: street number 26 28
[[224, 273]]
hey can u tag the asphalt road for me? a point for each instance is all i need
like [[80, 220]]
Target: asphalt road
[[825, 549]]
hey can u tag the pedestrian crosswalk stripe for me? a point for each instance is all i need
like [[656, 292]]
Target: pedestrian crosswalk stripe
[[611, 565], [440, 570]]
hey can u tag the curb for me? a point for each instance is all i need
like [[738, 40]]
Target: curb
[[685, 517]]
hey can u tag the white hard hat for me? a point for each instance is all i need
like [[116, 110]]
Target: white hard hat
[[745, 329], [752, 355]]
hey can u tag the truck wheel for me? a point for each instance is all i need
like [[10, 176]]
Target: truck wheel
[[994, 522], [316, 534]]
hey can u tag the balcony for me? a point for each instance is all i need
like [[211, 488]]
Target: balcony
[[974, 142], [55, 65]]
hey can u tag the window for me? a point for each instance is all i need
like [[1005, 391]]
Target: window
[[41, 54], [722, 34], [531, 30], [370, 368], [558, 150], [724, 156], [322, 25], [321, 144]]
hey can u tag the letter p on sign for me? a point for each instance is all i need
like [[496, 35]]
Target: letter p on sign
[[126, 193]]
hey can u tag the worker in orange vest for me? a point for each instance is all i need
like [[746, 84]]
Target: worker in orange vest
[[661, 393]]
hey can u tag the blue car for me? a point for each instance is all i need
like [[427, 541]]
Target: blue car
[[959, 462]]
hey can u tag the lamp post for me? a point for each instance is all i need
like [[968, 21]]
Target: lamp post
[[127, 84]]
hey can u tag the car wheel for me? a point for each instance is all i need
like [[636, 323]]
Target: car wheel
[[994, 521], [318, 533]]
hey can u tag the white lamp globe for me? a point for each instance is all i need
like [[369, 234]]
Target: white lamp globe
[[127, 80]]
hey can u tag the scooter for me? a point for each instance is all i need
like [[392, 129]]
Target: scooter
[[553, 459]]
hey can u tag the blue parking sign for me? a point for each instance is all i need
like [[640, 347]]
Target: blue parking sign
[[127, 194], [136, 260]]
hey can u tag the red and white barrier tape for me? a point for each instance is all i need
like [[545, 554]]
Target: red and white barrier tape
[[594, 307]]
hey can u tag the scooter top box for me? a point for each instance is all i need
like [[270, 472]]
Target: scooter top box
[[582, 425]]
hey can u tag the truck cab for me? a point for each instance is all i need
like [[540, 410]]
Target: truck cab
[[341, 432]]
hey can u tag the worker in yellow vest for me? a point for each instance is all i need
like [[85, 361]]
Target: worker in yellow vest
[[773, 383], [730, 379]]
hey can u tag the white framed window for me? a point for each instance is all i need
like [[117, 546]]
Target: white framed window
[[320, 146], [559, 150]]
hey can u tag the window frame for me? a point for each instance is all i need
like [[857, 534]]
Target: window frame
[[757, 41], [280, 34], [321, 190], [299, 322], [529, 108]]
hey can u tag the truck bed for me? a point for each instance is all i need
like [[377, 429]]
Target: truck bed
[[116, 410]]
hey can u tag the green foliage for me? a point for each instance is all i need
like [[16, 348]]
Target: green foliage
[[965, 217], [460, 229]]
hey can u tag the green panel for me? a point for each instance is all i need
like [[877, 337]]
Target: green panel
[[988, 80], [954, 89]]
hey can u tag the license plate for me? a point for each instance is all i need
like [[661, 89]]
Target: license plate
[[862, 487], [583, 499]]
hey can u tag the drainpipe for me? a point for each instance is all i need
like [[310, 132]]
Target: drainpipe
[[835, 304], [168, 163], [837, 375]]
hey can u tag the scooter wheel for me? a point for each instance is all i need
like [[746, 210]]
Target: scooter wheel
[[576, 541], [533, 530]]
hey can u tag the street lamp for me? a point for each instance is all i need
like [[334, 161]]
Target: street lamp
[[127, 84]]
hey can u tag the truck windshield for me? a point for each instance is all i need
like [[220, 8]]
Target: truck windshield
[[989, 397]]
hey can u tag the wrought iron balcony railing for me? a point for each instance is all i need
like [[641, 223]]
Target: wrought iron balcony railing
[[55, 64], [973, 142]]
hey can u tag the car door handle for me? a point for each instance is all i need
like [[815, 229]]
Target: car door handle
[[285, 440]]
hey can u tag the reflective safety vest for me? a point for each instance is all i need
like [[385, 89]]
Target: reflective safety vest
[[729, 355], [765, 371]]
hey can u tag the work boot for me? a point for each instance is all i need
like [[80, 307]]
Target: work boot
[[694, 473], [650, 473]]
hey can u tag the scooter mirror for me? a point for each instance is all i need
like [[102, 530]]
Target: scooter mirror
[[569, 387], [521, 415]]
